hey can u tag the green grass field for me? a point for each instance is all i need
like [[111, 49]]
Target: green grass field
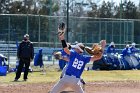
[[88, 76]]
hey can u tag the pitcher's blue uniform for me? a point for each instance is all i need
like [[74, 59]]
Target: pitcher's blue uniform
[[77, 64], [73, 73], [66, 66]]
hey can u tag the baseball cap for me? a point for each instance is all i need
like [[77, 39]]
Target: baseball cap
[[79, 46], [26, 35]]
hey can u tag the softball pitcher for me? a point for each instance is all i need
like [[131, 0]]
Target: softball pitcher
[[77, 62], [63, 56]]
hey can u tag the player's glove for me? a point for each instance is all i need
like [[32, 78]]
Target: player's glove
[[58, 55], [96, 50]]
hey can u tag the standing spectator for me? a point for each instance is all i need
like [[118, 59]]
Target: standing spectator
[[25, 54]]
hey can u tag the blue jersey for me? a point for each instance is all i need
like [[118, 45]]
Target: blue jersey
[[76, 64], [126, 52], [110, 49], [134, 50]]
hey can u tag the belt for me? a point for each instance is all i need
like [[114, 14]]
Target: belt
[[72, 75]]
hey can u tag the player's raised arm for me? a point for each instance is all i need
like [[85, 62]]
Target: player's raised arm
[[61, 32], [99, 52]]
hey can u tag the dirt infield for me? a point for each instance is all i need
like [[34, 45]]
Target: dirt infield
[[91, 87]]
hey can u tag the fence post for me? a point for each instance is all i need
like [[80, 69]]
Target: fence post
[[9, 41], [39, 31], [27, 24]]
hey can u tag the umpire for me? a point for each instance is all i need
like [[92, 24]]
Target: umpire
[[25, 54]]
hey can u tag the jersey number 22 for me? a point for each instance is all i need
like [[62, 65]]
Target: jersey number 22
[[77, 64]]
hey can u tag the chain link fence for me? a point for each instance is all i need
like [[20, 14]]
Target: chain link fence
[[43, 31]]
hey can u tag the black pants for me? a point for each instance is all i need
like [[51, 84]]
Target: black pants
[[22, 62]]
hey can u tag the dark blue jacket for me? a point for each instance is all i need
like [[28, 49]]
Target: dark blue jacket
[[25, 50]]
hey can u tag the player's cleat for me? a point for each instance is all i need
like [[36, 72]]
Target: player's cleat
[[25, 80], [83, 84], [16, 80], [83, 87]]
